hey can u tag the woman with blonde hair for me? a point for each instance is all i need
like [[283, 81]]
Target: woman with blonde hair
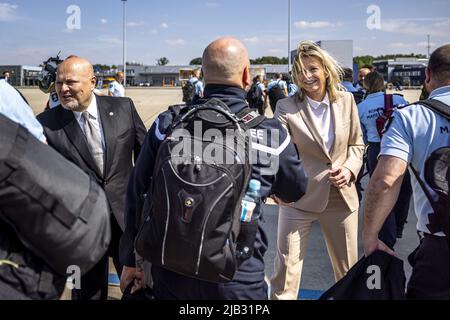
[[323, 122]]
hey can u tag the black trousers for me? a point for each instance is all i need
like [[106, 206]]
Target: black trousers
[[168, 285], [94, 284], [430, 279], [393, 226]]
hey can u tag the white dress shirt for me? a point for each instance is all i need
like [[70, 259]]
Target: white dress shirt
[[93, 117], [321, 116]]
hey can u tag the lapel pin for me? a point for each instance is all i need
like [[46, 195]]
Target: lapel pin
[[111, 114]]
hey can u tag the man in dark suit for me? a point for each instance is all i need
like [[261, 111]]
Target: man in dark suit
[[100, 135]]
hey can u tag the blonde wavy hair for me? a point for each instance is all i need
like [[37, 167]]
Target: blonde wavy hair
[[333, 72]]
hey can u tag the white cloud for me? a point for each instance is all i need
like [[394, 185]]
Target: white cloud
[[109, 40], [442, 24], [164, 25], [211, 4], [276, 51], [316, 24], [134, 24], [103, 21], [410, 27], [421, 44], [251, 40], [424, 44], [440, 3], [7, 11], [175, 42], [154, 31], [399, 45]]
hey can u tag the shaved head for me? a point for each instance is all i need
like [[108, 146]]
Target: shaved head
[[225, 61], [75, 82]]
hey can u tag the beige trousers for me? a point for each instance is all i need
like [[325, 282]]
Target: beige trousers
[[340, 230]]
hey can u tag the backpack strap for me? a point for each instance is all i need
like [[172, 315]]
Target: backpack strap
[[46, 280], [433, 226], [16, 153], [249, 117], [176, 111], [388, 103], [213, 104], [436, 106]]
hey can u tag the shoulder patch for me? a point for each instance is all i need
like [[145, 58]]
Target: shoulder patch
[[250, 116]]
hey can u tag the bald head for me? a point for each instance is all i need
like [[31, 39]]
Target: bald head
[[75, 82], [79, 65], [225, 61], [363, 72]]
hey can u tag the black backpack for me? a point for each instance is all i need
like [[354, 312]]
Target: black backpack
[[189, 92], [437, 176], [192, 216], [23, 275], [275, 93], [254, 96], [58, 213]]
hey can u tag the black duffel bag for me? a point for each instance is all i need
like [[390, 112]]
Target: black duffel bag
[[379, 276], [56, 210], [24, 276]]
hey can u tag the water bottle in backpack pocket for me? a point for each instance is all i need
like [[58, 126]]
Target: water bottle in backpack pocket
[[250, 214]]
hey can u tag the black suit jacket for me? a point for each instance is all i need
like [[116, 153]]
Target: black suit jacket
[[124, 133]]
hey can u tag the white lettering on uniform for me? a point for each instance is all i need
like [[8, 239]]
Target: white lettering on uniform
[[257, 134]]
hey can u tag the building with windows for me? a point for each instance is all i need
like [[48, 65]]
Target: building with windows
[[22, 75], [408, 72]]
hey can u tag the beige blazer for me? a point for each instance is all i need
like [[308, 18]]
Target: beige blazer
[[347, 149]]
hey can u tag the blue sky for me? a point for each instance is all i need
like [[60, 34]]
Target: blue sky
[[33, 30]]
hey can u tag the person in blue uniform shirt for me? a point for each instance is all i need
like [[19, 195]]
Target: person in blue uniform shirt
[[415, 132], [369, 110], [198, 83], [13, 106], [116, 88], [226, 72], [347, 81]]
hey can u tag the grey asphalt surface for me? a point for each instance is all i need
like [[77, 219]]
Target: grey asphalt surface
[[317, 270]]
